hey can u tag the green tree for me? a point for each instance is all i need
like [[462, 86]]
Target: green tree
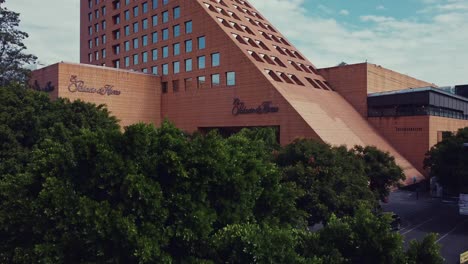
[[427, 251], [332, 179], [12, 55], [363, 238], [448, 161], [381, 169]]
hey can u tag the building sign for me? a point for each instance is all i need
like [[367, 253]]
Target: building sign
[[239, 108], [47, 88], [80, 87]]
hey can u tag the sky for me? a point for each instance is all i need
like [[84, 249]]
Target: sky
[[426, 39]]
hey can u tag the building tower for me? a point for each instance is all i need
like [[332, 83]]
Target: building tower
[[218, 56]]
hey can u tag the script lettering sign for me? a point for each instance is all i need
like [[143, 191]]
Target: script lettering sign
[[80, 87], [239, 108]]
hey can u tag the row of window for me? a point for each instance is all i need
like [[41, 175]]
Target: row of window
[[176, 65], [144, 25], [117, 3], [201, 82], [293, 79], [176, 48], [260, 57]]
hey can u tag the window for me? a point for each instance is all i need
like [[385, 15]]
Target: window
[[201, 81], [135, 27], [215, 80], [116, 34], [165, 69], [188, 83], [127, 61], [145, 24], [127, 14], [201, 42], [201, 62], [135, 59], [90, 30], [188, 65], [144, 57], [176, 67], [165, 16], [127, 30], [165, 33], [144, 40], [165, 2], [90, 16], [188, 46], [90, 44], [215, 59], [176, 12], [155, 37], [165, 51], [154, 70], [230, 78], [145, 7], [164, 86], [116, 19], [135, 11], [135, 43], [155, 4], [155, 20], [116, 49], [144, 70], [103, 53], [103, 10], [176, 48], [127, 45], [188, 27], [154, 53], [175, 86], [104, 25], [104, 39], [176, 30], [117, 64]]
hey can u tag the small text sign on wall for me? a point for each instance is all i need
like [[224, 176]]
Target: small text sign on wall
[[80, 87], [239, 108]]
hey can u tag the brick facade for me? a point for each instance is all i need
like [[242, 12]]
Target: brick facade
[[272, 78]]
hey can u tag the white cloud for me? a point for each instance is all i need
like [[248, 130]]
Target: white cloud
[[344, 12], [377, 19], [433, 49], [381, 7], [53, 28]]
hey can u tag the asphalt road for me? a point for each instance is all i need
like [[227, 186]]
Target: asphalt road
[[431, 215]]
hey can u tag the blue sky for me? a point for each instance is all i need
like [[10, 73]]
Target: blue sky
[[427, 39]]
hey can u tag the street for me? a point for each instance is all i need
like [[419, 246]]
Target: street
[[431, 215]]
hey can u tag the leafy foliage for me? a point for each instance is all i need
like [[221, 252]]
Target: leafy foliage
[[382, 171], [76, 188], [426, 251], [332, 179], [12, 55], [448, 161]]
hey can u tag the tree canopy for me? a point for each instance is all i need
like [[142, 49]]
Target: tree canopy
[[13, 58], [76, 188], [448, 161]]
